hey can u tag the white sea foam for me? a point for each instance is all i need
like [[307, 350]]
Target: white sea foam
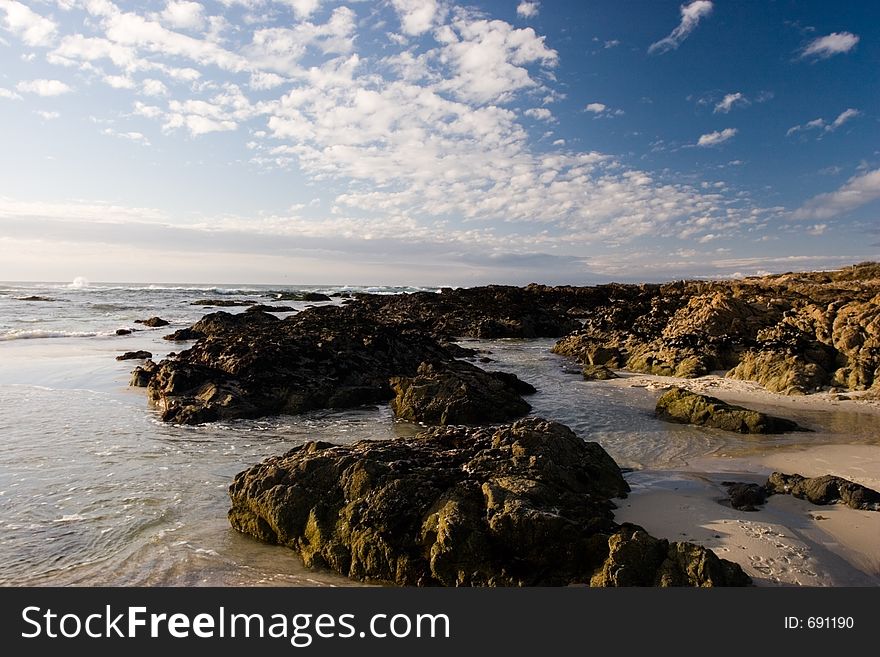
[[22, 334]]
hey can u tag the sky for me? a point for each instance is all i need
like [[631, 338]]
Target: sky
[[432, 142]]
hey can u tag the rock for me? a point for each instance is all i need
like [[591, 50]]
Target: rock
[[221, 323], [34, 298], [745, 497], [222, 302], [134, 355], [315, 296], [152, 322], [517, 505], [263, 308], [636, 558], [306, 296], [685, 407], [458, 393], [123, 331], [597, 373], [826, 489], [141, 375]]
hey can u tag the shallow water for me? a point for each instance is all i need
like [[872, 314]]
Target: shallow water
[[95, 490]]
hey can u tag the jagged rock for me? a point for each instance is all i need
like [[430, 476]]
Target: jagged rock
[[152, 322], [305, 296], [598, 373], [263, 308], [458, 393], [134, 355], [826, 489], [685, 407], [141, 375], [745, 497], [222, 302], [521, 504], [221, 322], [635, 558]]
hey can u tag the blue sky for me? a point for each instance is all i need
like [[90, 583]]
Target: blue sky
[[435, 142]]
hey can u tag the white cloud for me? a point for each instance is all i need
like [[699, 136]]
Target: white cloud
[[528, 9], [416, 16], [601, 110], [856, 192], [119, 81], [303, 8], [596, 108], [43, 87], [613, 43], [717, 137], [8, 94], [729, 102], [539, 113], [47, 116], [817, 229], [832, 44], [183, 14], [131, 136], [151, 87], [822, 125], [32, 28], [262, 81], [691, 15]]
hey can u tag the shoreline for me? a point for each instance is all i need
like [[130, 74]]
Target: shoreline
[[788, 541]]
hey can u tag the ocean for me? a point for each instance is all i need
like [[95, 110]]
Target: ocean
[[96, 490]]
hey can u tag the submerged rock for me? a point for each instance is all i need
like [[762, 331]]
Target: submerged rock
[[134, 355], [522, 504], [826, 489], [123, 331], [457, 392], [34, 298], [152, 322], [685, 407]]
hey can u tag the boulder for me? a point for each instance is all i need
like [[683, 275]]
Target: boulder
[[745, 497], [141, 375], [527, 503], [598, 373], [134, 355], [152, 322], [685, 407], [123, 331], [222, 303], [457, 392], [826, 489]]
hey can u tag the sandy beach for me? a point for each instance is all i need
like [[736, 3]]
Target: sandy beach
[[788, 542]]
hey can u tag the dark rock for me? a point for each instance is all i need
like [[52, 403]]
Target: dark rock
[[34, 298], [635, 558], [223, 323], [598, 373], [305, 296], [458, 393], [222, 302], [123, 331], [141, 375], [152, 322], [685, 407], [135, 355], [522, 504], [745, 497], [826, 489], [263, 308]]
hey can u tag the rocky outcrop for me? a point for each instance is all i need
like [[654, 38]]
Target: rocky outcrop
[[135, 355], [521, 504], [141, 375], [254, 364], [457, 392], [793, 333], [152, 322], [826, 489], [685, 407], [745, 497], [301, 296], [263, 308]]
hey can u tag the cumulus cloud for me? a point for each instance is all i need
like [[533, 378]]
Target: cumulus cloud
[[31, 27], [539, 113], [855, 193], [9, 94], [47, 116], [729, 102], [601, 110], [416, 16], [716, 138], [822, 125], [183, 14], [691, 15], [151, 87], [528, 9], [829, 45], [43, 87]]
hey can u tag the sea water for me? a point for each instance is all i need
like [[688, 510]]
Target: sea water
[[96, 490]]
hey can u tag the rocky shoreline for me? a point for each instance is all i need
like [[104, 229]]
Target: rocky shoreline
[[478, 506]]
